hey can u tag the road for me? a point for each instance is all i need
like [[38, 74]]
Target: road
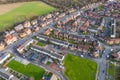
[[101, 61], [12, 48], [102, 64]]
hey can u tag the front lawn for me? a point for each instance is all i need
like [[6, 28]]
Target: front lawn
[[79, 68], [29, 70]]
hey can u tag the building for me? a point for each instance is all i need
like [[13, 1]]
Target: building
[[113, 31], [85, 26], [46, 52], [96, 54], [113, 41], [2, 46], [3, 57], [27, 24], [22, 34], [36, 29], [48, 31], [18, 27], [83, 48], [7, 76], [116, 56], [22, 47], [9, 38], [34, 22], [27, 31]]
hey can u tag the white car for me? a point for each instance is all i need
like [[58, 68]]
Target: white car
[[82, 56], [111, 49]]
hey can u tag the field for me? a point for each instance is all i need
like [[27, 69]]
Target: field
[[29, 70], [40, 44], [22, 12], [79, 68], [117, 74], [111, 71]]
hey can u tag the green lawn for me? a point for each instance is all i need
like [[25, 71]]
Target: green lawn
[[29, 70], [23, 12], [111, 69], [79, 68], [40, 44]]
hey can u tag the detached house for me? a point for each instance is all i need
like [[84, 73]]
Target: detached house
[[27, 24], [18, 27], [85, 26], [34, 22], [2, 46], [48, 31], [9, 38], [25, 32]]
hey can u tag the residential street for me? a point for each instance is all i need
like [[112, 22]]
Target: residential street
[[102, 61]]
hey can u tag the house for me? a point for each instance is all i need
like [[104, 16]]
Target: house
[[54, 77], [52, 54], [83, 48], [34, 22], [56, 67], [22, 34], [7, 76], [27, 31], [36, 29], [2, 46], [48, 31], [43, 24], [71, 37], [56, 32], [85, 26], [3, 57], [23, 46], [116, 56], [9, 38], [113, 41], [27, 24], [96, 54], [18, 27]]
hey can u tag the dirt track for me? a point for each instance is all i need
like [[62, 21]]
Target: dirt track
[[8, 7]]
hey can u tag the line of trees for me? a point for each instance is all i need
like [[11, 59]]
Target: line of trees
[[14, 1], [66, 4]]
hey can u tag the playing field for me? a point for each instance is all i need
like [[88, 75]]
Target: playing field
[[79, 68], [22, 11], [30, 70]]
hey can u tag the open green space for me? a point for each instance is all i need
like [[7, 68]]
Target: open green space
[[29, 70], [111, 69], [117, 73], [40, 44], [23, 12], [79, 68]]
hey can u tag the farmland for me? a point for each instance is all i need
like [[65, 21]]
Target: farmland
[[23, 11]]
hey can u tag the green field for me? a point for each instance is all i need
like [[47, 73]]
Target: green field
[[40, 44], [23, 12], [79, 68], [111, 69], [30, 70]]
